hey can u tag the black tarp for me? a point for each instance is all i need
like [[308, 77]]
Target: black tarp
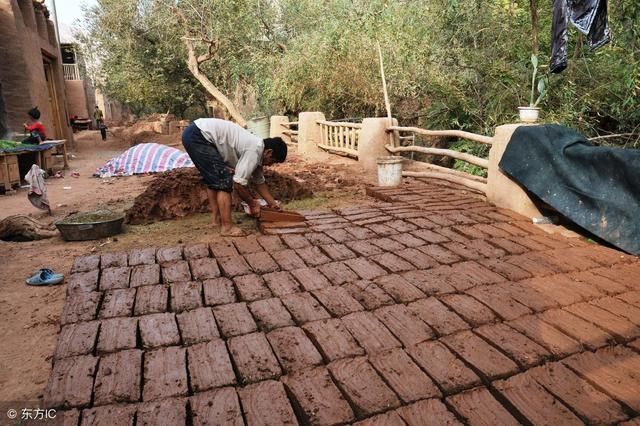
[[598, 188]]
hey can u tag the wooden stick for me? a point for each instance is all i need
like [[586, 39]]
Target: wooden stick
[[386, 94], [487, 140], [472, 159]]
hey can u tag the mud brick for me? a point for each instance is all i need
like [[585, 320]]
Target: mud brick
[[388, 418], [118, 334], [387, 244], [218, 291], [409, 329], [319, 400], [535, 402], [407, 240], [338, 251], [158, 330], [365, 214], [270, 314], [510, 229], [151, 299], [197, 326], [271, 243], [369, 332], [438, 220], [288, 260], [421, 222], [360, 233], [484, 249], [113, 260], [176, 272], [234, 266], [430, 412], [143, 275], [293, 349], [535, 265], [118, 378], [558, 288], [429, 283], [584, 332], [339, 235], [404, 376], [417, 258], [471, 232], [529, 244], [169, 254], [363, 387], [451, 236], [622, 274], [170, 411], [527, 295], [472, 311], [295, 241], [523, 350], [266, 403], [310, 279], [603, 255], [382, 229], [251, 287], [507, 245], [605, 285], [312, 256], [109, 415], [234, 319], [430, 236], [281, 283], [583, 398], [69, 417], [86, 263], [479, 407], [80, 307], [223, 248], [372, 220], [473, 273], [253, 358], [399, 289], [70, 382], [209, 366], [615, 325], [463, 250], [438, 316], [440, 254], [118, 303], [83, 281], [196, 251], [392, 263], [337, 301], [556, 342], [368, 294], [364, 248], [111, 278], [142, 256], [165, 373], [505, 306], [332, 339], [402, 226], [481, 355], [186, 296], [76, 339], [248, 244], [365, 269], [619, 308], [505, 269], [338, 273], [261, 262], [216, 407], [614, 369], [204, 268], [632, 298], [304, 307]]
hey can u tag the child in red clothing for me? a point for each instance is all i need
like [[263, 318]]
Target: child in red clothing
[[34, 128]]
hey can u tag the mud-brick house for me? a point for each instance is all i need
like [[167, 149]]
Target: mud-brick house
[[31, 69]]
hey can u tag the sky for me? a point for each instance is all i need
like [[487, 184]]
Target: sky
[[69, 11]]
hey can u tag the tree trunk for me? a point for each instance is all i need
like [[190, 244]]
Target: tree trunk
[[535, 27], [194, 67], [24, 228]]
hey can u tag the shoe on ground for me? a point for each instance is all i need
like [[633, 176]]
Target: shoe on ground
[[45, 277]]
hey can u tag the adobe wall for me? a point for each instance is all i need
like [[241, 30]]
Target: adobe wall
[[77, 98], [27, 37]]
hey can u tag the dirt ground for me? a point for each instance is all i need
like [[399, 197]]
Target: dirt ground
[[30, 315]]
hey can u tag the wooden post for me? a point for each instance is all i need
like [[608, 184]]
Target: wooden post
[[386, 94]]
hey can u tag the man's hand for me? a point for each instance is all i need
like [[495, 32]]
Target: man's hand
[[275, 205], [255, 208]]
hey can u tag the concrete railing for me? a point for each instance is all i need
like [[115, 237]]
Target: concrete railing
[[433, 171], [338, 137]]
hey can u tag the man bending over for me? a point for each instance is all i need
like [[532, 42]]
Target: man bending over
[[229, 157]]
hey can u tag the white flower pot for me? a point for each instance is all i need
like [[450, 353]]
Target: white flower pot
[[529, 114]]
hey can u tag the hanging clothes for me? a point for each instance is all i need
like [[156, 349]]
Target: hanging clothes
[[38, 188], [590, 17]]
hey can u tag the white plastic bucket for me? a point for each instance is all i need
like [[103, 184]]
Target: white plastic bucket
[[389, 171], [529, 114]]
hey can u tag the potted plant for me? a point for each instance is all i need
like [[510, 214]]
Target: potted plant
[[530, 114]]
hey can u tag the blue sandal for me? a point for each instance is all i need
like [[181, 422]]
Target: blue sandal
[[45, 277]]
